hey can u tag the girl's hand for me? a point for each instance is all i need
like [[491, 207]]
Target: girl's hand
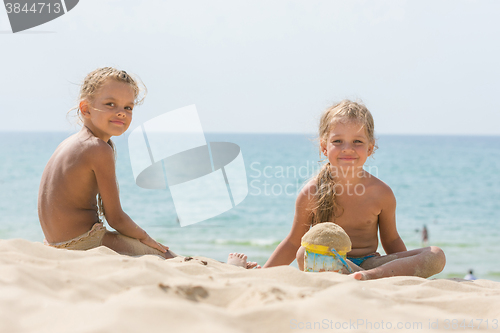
[[154, 244]]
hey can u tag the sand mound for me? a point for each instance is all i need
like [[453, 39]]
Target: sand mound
[[328, 234]]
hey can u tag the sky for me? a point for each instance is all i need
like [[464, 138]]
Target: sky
[[421, 67]]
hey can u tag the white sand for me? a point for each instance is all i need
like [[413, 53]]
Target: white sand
[[44, 289]]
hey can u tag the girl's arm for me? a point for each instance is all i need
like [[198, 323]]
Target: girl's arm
[[286, 251], [103, 165], [389, 237]]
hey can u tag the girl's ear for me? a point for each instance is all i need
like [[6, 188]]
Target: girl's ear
[[84, 108], [323, 146], [370, 148]]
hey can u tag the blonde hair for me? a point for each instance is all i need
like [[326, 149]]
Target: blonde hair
[[95, 79], [89, 89], [344, 112]]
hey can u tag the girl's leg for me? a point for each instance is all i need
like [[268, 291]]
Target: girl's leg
[[423, 262], [131, 246], [300, 257]]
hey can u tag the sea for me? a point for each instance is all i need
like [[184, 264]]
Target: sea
[[450, 184]]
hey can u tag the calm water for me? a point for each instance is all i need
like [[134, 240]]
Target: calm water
[[449, 183]]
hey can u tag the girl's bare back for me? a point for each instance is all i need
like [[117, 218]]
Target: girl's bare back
[[67, 204], [83, 167]]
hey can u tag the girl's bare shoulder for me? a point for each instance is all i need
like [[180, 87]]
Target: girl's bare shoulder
[[378, 187], [307, 194], [81, 151], [309, 188], [89, 145]]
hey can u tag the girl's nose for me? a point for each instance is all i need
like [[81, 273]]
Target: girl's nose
[[347, 146]]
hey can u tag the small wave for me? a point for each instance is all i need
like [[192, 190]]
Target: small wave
[[248, 242], [459, 245]]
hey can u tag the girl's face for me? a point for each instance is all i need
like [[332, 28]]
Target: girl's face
[[347, 145], [110, 111]]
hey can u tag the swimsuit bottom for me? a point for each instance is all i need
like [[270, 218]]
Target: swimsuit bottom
[[93, 238], [359, 260], [89, 240]]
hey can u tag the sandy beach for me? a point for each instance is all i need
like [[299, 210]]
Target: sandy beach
[[50, 290]]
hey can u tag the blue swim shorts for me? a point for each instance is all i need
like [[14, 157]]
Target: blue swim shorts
[[359, 260]]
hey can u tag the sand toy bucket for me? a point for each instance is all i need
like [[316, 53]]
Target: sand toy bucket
[[320, 258]]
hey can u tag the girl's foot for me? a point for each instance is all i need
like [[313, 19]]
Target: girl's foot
[[359, 276], [240, 259], [253, 264]]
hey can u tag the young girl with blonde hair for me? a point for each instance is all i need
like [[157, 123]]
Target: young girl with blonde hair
[[344, 193], [78, 186]]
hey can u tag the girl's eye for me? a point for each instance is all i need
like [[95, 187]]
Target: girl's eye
[[358, 141], [128, 108], [337, 141], [110, 104]]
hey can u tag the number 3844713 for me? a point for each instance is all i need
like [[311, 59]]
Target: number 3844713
[[34, 8]]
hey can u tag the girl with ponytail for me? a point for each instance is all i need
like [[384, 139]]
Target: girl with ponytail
[[363, 205]]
